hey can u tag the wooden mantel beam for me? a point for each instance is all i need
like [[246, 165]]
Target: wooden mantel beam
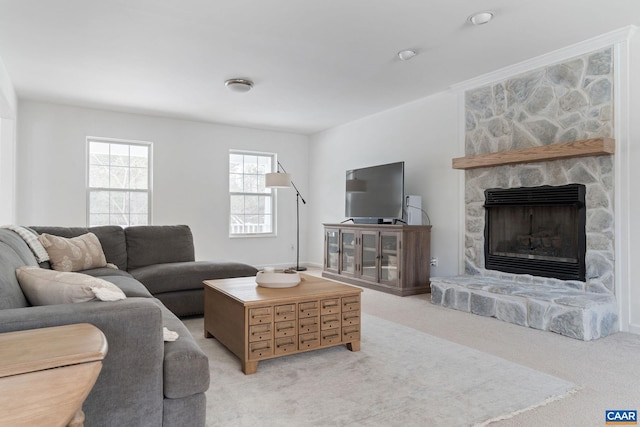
[[561, 150]]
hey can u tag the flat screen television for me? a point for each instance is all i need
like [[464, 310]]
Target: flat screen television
[[375, 194]]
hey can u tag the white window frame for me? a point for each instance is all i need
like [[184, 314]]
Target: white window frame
[[148, 191], [271, 192]]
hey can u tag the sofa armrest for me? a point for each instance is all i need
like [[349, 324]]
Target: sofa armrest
[[129, 390]]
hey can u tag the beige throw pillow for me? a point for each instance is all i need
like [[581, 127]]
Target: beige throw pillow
[[47, 287], [75, 254]]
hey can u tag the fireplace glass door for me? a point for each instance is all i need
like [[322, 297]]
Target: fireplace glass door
[[535, 232]]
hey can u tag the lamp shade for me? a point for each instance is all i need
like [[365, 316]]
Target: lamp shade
[[278, 180]]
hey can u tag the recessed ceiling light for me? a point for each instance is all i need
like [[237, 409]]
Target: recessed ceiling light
[[239, 85], [406, 55], [480, 18]]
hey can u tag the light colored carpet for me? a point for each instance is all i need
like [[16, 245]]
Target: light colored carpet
[[400, 377]]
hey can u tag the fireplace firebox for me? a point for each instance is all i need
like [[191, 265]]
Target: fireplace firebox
[[536, 230]]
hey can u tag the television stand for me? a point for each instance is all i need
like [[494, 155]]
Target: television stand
[[393, 258]]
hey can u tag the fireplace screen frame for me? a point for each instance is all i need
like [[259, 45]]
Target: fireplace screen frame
[[571, 195]]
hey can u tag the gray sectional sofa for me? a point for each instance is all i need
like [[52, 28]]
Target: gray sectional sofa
[[144, 380]]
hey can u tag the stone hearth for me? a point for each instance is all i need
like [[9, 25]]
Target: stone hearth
[[531, 301]]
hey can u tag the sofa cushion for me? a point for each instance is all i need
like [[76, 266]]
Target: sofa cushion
[[179, 276], [11, 295], [113, 243], [130, 286], [105, 271], [30, 237], [158, 244], [14, 253], [73, 254], [183, 303], [16, 244], [111, 238], [186, 367], [47, 287]]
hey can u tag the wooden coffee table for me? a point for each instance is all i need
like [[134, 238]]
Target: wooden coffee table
[[258, 323]]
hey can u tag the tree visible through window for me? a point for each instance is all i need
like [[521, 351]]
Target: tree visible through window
[[119, 183], [251, 203]]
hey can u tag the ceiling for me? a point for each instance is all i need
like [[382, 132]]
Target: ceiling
[[316, 64]]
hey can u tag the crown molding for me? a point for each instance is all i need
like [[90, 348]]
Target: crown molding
[[581, 48]]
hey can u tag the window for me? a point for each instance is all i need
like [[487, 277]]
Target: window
[[119, 182], [251, 203]]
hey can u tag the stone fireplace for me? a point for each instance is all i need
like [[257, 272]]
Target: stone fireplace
[[573, 294]]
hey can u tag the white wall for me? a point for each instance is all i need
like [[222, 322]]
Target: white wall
[[632, 193], [423, 134], [8, 102], [190, 174]]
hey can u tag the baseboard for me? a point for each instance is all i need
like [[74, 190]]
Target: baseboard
[[312, 265], [634, 328]]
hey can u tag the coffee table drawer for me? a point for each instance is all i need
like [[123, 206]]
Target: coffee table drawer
[[309, 341], [330, 336], [350, 333], [351, 303], [308, 309], [308, 325], [285, 345], [260, 349], [330, 306], [260, 332], [351, 318], [260, 315], [285, 312], [330, 321], [285, 329]]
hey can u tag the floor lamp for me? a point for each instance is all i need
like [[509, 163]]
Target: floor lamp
[[283, 180]]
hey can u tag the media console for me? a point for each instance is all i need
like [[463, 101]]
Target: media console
[[389, 258]]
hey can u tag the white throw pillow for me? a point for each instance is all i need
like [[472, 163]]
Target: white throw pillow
[[46, 287]]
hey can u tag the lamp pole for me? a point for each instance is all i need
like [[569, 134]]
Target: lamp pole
[[298, 198]]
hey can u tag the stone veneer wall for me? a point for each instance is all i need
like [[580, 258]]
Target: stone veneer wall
[[569, 101]]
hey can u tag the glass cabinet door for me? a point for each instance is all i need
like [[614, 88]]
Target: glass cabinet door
[[389, 258], [348, 251], [332, 257], [369, 255]]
